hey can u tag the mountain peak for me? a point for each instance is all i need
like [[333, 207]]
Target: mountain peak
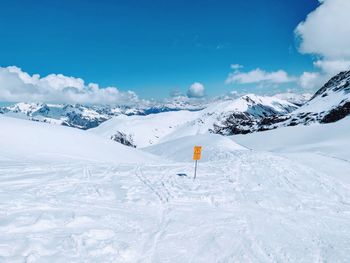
[[340, 82]]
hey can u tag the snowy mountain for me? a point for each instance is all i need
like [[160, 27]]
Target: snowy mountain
[[90, 116], [78, 116], [153, 122], [224, 116], [329, 104], [295, 98], [332, 102], [141, 131], [245, 113], [241, 113]]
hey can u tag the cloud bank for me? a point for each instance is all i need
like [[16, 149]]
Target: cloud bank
[[311, 80], [326, 34], [17, 85], [258, 76], [326, 30], [196, 90]]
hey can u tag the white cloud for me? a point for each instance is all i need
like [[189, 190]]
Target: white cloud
[[326, 30], [325, 33], [196, 90], [327, 69], [176, 93], [259, 76], [311, 80], [236, 66], [332, 67], [17, 85]]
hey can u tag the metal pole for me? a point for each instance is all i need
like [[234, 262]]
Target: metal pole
[[195, 170]]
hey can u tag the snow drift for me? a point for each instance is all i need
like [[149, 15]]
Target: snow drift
[[323, 147], [144, 130], [331, 139], [27, 140], [215, 148]]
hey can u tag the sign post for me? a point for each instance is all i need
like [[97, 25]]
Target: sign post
[[196, 156]]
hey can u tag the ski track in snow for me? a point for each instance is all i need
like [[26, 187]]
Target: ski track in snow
[[256, 207]]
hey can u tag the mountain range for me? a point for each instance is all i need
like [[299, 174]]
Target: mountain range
[[149, 123], [72, 195], [90, 116]]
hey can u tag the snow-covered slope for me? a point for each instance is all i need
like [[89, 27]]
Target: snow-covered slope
[[324, 147], [27, 140], [295, 98], [244, 206], [214, 148], [235, 116], [329, 104], [331, 139], [144, 130], [244, 112], [253, 104]]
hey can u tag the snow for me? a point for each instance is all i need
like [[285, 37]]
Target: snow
[[88, 116], [243, 104], [246, 103], [332, 95], [255, 205], [329, 139], [200, 125], [28, 140], [25, 107], [320, 103], [145, 130], [215, 148], [324, 147], [157, 128], [295, 98]]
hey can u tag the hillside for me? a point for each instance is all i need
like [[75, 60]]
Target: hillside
[[329, 104], [33, 141], [142, 131], [245, 205], [215, 148], [324, 147]]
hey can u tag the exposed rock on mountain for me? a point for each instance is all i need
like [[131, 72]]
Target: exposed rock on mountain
[[152, 123], [329, 104], [254, 111], [123, 139], [224, 117], [90, 116]]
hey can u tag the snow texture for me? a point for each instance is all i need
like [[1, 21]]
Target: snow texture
[[27, 140], [248, 206]]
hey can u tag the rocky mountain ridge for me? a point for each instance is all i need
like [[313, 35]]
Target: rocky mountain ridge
[[329, 104]]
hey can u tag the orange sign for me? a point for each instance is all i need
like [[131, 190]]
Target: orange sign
[[197, 153]]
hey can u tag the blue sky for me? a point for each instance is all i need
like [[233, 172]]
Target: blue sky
[[154, 47]]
